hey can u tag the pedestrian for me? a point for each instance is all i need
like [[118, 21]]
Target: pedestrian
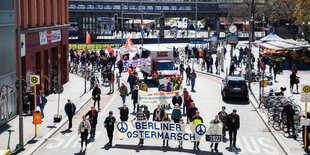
[[176, 114], [146, 112], [41, 101], [140, 117], [109, 125], [93, 117], [124, 112], [289, 112], [215, 121], [275, 72], [191, 112], [197, 120], [182, 130], [158, 114], [131, 80], [111, 81], [166, 119], [294, 80], [181, 69], [143, 86], [294, 69], [188, 75], [233, 125], [177, 99], [84, 131], [159, 77], [120, 66], [168, 86], [185, 98], [134, 97], [70, 112], [211, 63], [96, 96], [216, 65], [223, 117], [232, 68], [123, 92], [193, 80], [178, 86]]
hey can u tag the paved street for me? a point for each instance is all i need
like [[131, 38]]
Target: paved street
[[253, 136]]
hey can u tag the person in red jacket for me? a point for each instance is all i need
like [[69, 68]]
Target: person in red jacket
[[185, 97]]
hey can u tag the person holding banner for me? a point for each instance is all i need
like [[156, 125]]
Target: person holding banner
[[109, 125], [197, 120], [158, 114], [166, 119], [182, 127], [140, 117], [176, 114], [215, 121], [177, 99]]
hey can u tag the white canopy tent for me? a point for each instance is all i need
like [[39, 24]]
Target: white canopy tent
[[271, 37]]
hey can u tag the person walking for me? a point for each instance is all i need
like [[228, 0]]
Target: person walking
[[233, 125], [275, 72], [120, 66], [182, 69], [294, 80], [166, 119], [123, 92], [193, 80], [159, 77], [146, 112], [223, 117], [131, 80], [96, 96], [124, 112], [215, 121], [158, 114], [185, 98], [134, 97], [93, 117], [84, 131], [232, 68], [140, 117], [211, 64], [176, 114], [188, 75], [109, 125], [294, 69], [70, 112], [41, 101], [216, 65], [111, 81], [197, 120], [289, 112], [177, 99], [182, 129], [191, 112]]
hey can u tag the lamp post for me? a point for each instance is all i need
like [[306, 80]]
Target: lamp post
[[250, 42]]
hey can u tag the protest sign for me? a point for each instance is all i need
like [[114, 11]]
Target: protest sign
[[135, 63], [163, 81], [169, 131], [155, 98]]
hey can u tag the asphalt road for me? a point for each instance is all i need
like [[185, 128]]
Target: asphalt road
[[253, 136]]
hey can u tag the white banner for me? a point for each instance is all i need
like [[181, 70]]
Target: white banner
[[169, 131], [51, 36], [155, 98]]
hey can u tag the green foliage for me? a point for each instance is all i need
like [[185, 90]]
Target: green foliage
[[92, 46]]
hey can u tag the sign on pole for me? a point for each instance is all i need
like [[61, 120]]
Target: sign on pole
[[305, 93], [249, 51], [142, 32], [35, 79], [263, 67], [142, 26]]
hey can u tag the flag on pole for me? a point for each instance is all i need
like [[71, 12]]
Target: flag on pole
[[110, 49], [87, 38], [128, 42]]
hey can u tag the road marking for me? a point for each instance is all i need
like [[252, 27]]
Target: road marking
[[73, 136]]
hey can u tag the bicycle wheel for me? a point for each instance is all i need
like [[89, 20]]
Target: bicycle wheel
[[297, 109], [277, 122]]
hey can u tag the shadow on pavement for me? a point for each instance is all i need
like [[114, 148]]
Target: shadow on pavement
[[106, 146], [65, 131], [236, 101], [80, 153], [4, 128], [233, 150], [164, 149]]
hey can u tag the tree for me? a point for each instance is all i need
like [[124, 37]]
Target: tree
[[302, 16]]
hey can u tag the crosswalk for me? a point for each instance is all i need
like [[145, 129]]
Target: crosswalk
[[245, 144]]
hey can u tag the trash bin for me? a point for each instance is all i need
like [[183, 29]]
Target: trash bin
[[37, 117]]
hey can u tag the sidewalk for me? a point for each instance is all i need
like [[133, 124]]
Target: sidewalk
[[290, 145], [73, 90]]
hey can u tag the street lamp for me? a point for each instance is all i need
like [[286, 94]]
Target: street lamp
[[250, 42]]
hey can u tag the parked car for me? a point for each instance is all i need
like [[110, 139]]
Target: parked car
[[234, 87]]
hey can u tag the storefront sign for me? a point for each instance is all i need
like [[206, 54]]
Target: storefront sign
[[169, 131], [51, 36], [155, 98]]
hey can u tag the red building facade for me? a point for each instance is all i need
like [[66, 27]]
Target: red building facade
[[45, 41]]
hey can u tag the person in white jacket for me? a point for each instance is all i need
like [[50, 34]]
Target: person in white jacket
[[84, 130]]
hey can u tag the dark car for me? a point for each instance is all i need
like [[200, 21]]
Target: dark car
[[235, 87]]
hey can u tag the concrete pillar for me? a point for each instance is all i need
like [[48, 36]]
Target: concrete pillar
[[54, 11], [47, 12], [66, 11], [39, 12], [24, 13], [32, 13], [162, 26]]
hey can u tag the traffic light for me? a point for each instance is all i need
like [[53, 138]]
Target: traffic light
[[115, 17]]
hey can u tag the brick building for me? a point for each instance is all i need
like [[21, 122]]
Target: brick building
[[44, 38]]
